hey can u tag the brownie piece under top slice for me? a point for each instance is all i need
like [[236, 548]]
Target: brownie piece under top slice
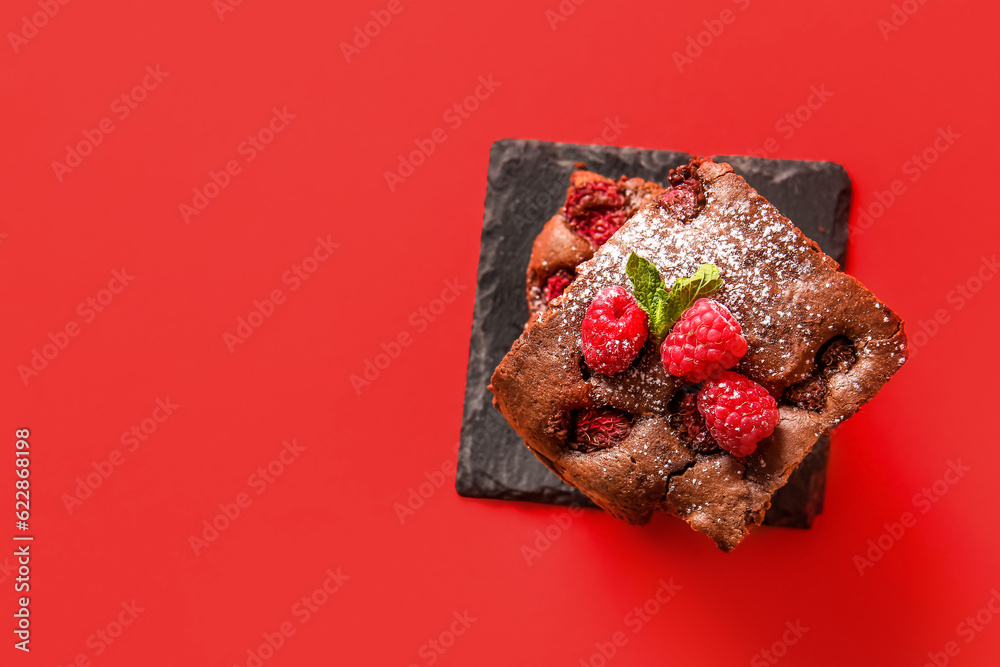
[[813, 333], [596, 207]]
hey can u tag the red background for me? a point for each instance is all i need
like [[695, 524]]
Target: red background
[[324, 174]]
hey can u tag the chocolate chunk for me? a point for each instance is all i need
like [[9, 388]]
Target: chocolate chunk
[[810, 394], [837, 356]]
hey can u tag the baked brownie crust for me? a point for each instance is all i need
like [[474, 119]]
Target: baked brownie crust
[[790, 299]]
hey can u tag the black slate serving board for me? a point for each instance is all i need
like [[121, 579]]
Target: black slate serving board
[[527, 183]]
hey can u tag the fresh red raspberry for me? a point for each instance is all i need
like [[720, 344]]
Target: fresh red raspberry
[[614, 331], [597, 428], [706, 340], [739, 412], [595, 210], [557, 283]]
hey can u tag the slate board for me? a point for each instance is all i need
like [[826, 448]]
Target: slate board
[[526, 185]]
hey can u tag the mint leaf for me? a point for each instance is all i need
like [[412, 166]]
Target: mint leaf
[[664, 307], [646, 281], [658, 320], [685, 291]]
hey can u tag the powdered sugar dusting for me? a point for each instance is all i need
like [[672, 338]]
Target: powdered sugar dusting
[[776, 284]]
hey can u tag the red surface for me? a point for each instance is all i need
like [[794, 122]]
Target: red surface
[[324, 176]]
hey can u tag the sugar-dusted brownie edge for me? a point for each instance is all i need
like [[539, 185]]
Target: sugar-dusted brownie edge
[[526, 186], [791, 300]]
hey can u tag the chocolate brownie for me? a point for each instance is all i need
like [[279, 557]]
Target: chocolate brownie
[[818, 341], [596, 207], [560, 247]]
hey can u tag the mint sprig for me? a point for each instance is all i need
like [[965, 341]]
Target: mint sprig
[[664, 307]]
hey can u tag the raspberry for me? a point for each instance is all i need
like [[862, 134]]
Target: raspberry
[[687, 421], [597, 428], [684, 200], [739, 412], [595, 210], [706, 340], [614, 331], [557, 283]]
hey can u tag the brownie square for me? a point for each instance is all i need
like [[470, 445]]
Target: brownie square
[[793, 304]]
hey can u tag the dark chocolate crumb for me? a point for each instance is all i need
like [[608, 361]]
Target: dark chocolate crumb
[[678, 175], [837, 355], [810, 394]]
